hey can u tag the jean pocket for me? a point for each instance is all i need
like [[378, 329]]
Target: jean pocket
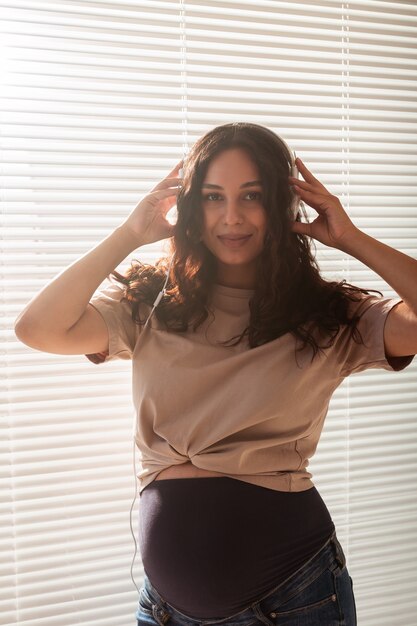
[[317, 603]]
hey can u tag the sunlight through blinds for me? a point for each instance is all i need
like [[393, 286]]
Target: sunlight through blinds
[[99, 100]]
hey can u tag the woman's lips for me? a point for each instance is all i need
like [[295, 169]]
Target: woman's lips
[[234, 242]]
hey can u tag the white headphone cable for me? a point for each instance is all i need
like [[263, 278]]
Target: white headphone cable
[[131, 509], [161, 293]]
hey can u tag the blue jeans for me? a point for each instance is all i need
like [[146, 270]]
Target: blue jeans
[[319, 593]]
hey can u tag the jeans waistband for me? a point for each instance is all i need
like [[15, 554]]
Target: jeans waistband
[[330, 555]]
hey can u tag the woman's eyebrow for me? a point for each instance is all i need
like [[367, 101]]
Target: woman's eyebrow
[[253, 182]]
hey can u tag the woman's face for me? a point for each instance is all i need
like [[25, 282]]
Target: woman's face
[[231, 206]]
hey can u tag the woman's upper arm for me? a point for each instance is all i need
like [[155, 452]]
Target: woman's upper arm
[[88, 335]]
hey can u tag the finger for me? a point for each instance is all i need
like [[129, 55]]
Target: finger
[[167, 182], [306, 185], [169, 178], [176, 168], [157, 195], [296, 227], [297, 184], [301, 229], [168, 204], [306, 194], [307, 175], [174, 181], [313, 199], [165, 192]]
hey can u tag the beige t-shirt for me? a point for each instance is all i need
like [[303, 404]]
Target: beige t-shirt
[[251, 414]]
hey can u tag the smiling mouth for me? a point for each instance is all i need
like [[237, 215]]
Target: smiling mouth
[[235, 242], [235, 237]]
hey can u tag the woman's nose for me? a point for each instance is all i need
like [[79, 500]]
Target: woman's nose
[[232, 213]]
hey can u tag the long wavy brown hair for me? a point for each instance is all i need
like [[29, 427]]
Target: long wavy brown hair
[[290, 295]]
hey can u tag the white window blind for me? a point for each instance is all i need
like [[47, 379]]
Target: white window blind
[[98, 100]]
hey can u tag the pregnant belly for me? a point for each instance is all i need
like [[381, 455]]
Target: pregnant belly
[[213, 547]]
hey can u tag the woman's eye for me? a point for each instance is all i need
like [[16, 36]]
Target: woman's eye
[[254, 193], [216, 195]]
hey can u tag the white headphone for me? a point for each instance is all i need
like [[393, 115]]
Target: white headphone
[[296, 201]]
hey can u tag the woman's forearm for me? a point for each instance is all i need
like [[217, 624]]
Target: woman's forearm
[[399, 270], [61, 303]]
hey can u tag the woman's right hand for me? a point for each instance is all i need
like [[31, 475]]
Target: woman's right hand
[[148, 221]]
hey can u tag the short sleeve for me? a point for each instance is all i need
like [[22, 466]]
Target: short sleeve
[[356, 357], [123, 331]]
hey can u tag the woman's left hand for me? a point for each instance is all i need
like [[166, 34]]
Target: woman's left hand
[[333, 225]]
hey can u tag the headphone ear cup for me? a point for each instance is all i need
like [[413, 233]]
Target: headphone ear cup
[[295, 205]]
